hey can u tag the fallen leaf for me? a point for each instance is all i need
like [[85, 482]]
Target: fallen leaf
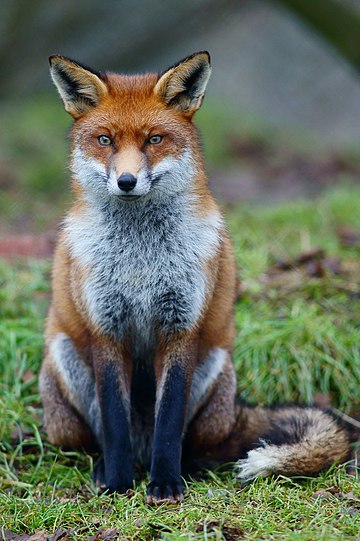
[[348, 496], [349, 511], [59, 534], [39, 536], [232, 533], [315, 268], [7, 535], [352, 470], [322, 400], [228, 531], [111, 534], [314, 254], [335, 492], [325, 492], [27, 376], [348, 237], [333, 264]]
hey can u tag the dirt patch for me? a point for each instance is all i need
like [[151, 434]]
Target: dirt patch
[[38, 246]]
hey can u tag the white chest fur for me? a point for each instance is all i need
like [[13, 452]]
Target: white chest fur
[[146, 264]]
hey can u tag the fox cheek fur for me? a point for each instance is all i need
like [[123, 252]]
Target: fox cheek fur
[[140, 330]]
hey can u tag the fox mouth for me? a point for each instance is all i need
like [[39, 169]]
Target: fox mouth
[[154, 180], [129, 197]]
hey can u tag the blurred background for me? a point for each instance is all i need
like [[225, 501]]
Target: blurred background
[[282, 114]]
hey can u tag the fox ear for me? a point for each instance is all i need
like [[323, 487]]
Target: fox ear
[[183, 85], [79, 87]]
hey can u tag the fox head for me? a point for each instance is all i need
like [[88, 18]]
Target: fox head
[[133, 136]]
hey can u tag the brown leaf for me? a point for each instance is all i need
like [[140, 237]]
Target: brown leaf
[[315, 268], [233, 533], [348, 496], [249, 147], [59, 534], [352, 470], [11, 536], [349, 511], [39, 535], [111, 534], [322, 400], [334, 491], [229, 531], [20, 434], [315, 254], [333, 264], [325, 492], [27, 375], [348, 237]]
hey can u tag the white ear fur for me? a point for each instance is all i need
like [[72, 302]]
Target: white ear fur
[[80, 88], [183, 85]]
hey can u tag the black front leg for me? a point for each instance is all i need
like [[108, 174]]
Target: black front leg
[[165, 476], [114, 471]]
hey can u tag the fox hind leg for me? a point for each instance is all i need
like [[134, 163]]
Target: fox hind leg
[[67, 386], [63, 424], [213, 409]]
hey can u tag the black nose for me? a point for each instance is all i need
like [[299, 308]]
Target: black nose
[[126, 182]]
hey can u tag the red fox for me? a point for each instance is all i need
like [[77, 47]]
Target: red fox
[[140, 330]]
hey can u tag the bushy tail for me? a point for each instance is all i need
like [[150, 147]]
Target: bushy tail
[[288, 440]]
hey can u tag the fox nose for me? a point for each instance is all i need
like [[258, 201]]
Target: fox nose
[[126, 182]]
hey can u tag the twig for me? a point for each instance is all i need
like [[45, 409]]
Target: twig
[[346, 418]]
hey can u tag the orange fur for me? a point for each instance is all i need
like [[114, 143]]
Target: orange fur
[[129, 110]]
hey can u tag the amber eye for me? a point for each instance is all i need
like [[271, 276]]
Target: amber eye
[[104, 140], [155, 139]]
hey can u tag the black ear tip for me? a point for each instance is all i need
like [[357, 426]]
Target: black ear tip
[[53, 58], [204, 53]]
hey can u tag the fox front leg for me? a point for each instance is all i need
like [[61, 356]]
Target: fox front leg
[[172, 393], [114, 470]]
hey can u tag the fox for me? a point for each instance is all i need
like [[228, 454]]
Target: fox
[[140, 330]]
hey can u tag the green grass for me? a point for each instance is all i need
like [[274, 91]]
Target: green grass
[[297, 335], [33, 163], [296, 324]]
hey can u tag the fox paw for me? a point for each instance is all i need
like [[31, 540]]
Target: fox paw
[[160, 493], [113, 485]]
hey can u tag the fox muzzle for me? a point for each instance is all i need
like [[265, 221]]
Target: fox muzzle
[[126, 182]]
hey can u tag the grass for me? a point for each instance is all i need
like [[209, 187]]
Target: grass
[[298, 334], [294, 323], [33, 158]]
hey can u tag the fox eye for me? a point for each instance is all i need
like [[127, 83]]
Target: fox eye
[[155, 139], [104, 140]]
